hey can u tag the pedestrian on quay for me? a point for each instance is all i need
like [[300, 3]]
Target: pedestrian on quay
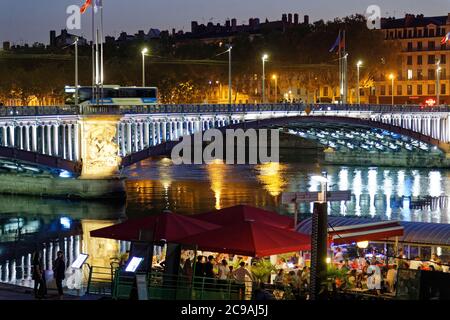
[[38, 275], [59, 272]]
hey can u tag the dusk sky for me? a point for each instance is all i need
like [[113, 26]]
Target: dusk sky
[[30, 20]]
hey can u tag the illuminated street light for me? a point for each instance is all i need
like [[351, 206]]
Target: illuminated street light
[[265, 57], [229, 74], [438, 76], [274, 77], [392, 77], [144, 53], [358, 66]]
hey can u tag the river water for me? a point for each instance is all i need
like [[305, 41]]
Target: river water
[[406, 194]]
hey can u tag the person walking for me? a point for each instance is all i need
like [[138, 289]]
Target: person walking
[[38, 275], [59, 271]]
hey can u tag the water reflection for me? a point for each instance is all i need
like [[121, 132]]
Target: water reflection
[[28, 224], [153, 186], [388, 193]]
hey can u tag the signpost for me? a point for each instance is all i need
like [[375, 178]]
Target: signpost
[[319, 229]]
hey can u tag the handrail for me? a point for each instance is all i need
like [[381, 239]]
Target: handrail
[[6, 111]]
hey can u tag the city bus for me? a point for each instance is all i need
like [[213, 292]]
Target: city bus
[[113, 95]]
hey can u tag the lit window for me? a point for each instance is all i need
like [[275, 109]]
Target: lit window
[[410, 74]]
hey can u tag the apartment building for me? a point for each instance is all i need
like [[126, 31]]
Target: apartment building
[[422, 55]]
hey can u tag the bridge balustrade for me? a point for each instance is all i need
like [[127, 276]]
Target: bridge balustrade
[[6, 111]]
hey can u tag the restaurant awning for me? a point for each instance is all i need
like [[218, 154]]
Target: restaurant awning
[[166, 226], [365, 232], [421, 233], [249, 238], [241, 213]]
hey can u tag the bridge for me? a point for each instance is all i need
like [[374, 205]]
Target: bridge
[[93, 142]]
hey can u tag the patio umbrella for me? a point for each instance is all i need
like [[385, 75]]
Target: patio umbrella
[[242, 212], [249, 238], [166, 226]]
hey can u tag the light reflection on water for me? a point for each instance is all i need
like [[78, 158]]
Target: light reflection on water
[[387, 193]]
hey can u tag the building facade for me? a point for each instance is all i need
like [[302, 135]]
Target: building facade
[[423, 64]]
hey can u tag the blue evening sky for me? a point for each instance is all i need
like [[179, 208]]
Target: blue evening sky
[[30, 20]]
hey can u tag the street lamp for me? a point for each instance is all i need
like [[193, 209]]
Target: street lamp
[[274, 77], [438, 75], [392, 77], [358, 66], [229, 74], [144, 53], [265, 57]]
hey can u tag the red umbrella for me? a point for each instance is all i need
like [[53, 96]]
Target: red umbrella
[[241, 213], [166, 226], [249, 238]]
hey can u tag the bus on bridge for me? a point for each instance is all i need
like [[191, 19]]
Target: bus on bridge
[[113, 95]]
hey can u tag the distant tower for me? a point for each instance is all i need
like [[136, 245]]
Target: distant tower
[[306, 19], [52, 38], [290, 18], [228, 23], [296, 18], [233, 24], [284, 18], [194, 26]]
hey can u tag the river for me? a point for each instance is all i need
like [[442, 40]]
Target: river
[[154, 185]]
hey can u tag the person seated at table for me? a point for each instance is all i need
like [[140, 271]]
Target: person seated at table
[[416, 264], [338, 256], [305, 279], [351, 280], [345, 266], [374, 276], [279, 278], [436, 262], [355, 264], [293, 280]]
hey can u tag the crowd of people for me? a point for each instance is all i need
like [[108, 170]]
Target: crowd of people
[[367, 271], [376, 272]]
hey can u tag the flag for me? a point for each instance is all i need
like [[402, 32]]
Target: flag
[[342, 43], [446, 38], [85, 6], [336, 43]]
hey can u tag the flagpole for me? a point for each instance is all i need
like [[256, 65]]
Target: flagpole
[[93, 54], [101, 49], [345, 70], [340, 69]]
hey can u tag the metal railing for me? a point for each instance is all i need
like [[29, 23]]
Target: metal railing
[[209, 109], [162, 286], [100, 280]]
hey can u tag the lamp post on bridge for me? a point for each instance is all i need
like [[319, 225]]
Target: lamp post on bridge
[[438, 76], [229, 74], [358, 66], [144, 53], [392, 77], [265, 57], [275, 77]]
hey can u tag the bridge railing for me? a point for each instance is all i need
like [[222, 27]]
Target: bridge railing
[[38, 111], [209, 109]]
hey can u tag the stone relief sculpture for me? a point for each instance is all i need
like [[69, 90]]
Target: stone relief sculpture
[[101, 150]]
